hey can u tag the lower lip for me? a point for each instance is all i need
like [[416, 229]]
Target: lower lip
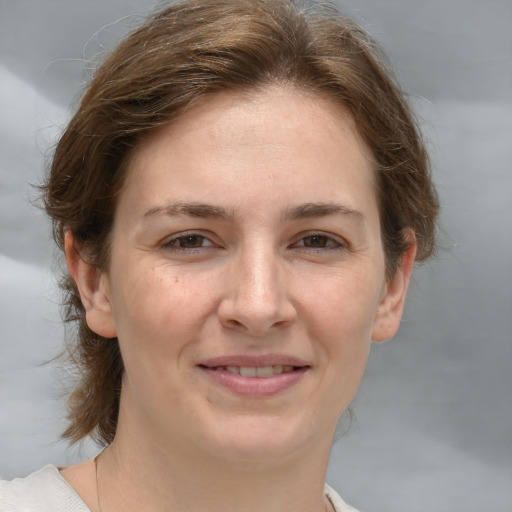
[[255, 387]]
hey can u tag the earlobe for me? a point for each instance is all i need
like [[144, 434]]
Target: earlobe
[[389, 313], [93, 286]]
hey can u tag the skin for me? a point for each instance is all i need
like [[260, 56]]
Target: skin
[[267, 271]]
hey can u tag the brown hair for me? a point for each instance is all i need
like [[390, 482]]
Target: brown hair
[[180, 56]]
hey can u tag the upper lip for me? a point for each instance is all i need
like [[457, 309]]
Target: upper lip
[[252, 360]]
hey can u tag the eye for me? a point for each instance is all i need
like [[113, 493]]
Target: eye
[[188, 241], [317, 241], [320, 241]]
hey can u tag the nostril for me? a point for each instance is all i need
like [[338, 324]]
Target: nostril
[[234, 323]]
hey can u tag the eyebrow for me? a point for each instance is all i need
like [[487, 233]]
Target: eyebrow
[[310, 210], [191, 209], [302, 211]]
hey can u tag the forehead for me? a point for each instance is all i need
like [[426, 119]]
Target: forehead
[[262, 142]]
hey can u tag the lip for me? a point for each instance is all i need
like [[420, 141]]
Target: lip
[[251, 360], [254, 387]]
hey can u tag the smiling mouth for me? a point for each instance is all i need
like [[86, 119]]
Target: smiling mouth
[[255, 379], [256, 371]]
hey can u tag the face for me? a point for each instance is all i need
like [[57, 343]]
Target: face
[[246, 278]]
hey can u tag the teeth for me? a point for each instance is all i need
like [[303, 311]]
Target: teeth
[[248, 371], [277, 370], [264, 371], [260, 371]]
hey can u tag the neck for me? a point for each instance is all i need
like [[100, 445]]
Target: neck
[[136, 474]]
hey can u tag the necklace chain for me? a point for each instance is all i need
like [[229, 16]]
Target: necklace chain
[[96, 465]]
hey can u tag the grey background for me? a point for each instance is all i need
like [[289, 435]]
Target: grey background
[[433, 427]]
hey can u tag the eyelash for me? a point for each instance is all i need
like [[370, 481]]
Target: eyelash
[[174, 242], [330, 243]]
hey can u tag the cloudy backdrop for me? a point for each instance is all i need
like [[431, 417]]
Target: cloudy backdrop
[[433, 418]]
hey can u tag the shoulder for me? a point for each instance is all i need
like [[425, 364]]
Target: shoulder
[[46, 491], [42, 491], [338, 504]]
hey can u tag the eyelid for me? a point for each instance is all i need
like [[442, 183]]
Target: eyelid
[[338, 242], [167, 242], [335, 242]]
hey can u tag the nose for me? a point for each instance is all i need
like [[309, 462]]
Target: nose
[[257, 298]]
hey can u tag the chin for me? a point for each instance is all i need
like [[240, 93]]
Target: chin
[[264, 440]]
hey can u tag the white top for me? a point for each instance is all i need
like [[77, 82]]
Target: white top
[[46, 491]]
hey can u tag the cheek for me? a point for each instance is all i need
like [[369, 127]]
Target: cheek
[[342, 307], [341, 321], [155, 318], [159, 309]]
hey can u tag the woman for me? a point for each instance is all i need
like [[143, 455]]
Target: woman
[[241, 197]]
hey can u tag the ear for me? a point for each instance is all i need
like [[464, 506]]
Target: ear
[[389, 312], [93, 286]]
